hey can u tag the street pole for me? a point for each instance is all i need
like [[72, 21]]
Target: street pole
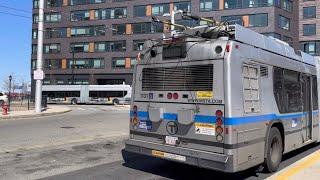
[[9, 99], [73, 65], [38, 93]]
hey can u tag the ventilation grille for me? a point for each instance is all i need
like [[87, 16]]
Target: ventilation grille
[[182, 78], [263, 71]]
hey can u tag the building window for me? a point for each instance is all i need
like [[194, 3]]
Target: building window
[[51, 48], [80, 15], [115, 13], [258, 20], [35, 18], [34, 49], [284, 23], [275, 35], [118, 29], [79, 47], [34, 33], [309, 29], [138, 44], [311, 47], [287, 40], [232, 4], [83, 2], [133, 62], [88, 31], [184, 6], [232, 19], [309, 12], [139, 11], [33, 64], [52, 17], [118, 63], [35, 4], [52, 64], [286, 5], [160, 9], [54, 3], [209, 5], [144, 28], [86, 63], [55, 33], [112, 46]]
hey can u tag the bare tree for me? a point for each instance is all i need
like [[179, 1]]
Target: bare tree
[[6, 84]]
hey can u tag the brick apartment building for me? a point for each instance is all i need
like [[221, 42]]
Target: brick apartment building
[[309, 26], [102, 37]]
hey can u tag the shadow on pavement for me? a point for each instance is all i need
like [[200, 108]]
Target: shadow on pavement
[[175, 170]]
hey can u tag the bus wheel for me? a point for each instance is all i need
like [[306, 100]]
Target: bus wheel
[[274, 150], [74, 101], [115, 101]]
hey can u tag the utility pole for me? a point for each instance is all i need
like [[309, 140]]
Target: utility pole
[[73, 65], [38, 73]]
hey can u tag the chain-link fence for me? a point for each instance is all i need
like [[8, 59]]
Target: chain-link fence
[[24, 102]]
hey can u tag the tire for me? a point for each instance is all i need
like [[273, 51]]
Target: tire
[[274, 150], [115, 101], [74, 101], [1, 102]]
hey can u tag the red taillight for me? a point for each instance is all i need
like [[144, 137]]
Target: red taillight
[[219, 114], [169, 95], [135, 108], [219, 122], [175, 96], [228, 47]]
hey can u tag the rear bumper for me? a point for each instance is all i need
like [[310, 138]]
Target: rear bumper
[[204, 159]]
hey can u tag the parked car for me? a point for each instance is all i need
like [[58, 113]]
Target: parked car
[[3, 98]]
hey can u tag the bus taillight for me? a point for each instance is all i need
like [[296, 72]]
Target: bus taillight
[[175, 96], [135, 120], [169, 95], [219, 123]]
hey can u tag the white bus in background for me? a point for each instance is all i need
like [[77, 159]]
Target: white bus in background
[[87, 94]]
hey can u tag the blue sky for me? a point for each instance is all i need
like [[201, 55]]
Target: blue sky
[[15, 36]]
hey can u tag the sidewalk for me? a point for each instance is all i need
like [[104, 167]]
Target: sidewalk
[[307, 168], [51, 110]]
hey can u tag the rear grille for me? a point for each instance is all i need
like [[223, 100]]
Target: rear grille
[[180, 78]]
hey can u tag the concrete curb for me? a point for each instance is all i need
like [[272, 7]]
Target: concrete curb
[[34, 115]]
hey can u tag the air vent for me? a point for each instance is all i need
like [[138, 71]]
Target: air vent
[[263, 71], [183, 78]]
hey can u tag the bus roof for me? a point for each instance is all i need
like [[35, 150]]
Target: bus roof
[[273, 45]]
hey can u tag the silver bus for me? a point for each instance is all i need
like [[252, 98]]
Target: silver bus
[[88, 94], [224, 98]]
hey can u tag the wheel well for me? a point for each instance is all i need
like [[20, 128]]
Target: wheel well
[[281, 129]]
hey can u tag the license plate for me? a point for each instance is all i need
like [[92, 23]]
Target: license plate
[[168, 155], [171, 140]]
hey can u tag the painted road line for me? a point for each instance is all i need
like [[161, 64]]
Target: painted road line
[[297, 167]]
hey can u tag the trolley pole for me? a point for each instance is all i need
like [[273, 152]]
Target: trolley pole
[[38, 73]]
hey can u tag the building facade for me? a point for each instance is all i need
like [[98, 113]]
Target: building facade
[[97, 41], [309, 26]]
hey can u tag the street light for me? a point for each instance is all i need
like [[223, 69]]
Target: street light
[[9, 99]]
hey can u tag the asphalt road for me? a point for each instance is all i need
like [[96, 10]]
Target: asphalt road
[[81, 145], [39, 147], [83, 123], [147, 168]]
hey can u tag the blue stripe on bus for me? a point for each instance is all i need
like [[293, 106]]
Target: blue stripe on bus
[[143, 115]]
